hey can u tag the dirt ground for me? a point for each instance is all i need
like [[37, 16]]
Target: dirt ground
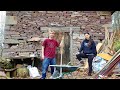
[[81, 73]]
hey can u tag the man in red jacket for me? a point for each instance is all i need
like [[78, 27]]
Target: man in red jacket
[[48, 53]]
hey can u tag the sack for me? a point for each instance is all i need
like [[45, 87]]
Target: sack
[[33, 72]]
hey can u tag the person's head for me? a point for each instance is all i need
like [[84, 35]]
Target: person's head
[[51, 33], [87, 36]]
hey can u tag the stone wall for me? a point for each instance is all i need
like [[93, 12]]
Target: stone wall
[[29, 25]]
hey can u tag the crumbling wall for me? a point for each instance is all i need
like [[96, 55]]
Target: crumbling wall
[[29, 25]]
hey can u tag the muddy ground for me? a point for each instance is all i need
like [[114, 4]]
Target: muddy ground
[[81, 73]]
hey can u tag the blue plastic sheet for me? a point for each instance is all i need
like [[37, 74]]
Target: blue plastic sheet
[[98, 64]]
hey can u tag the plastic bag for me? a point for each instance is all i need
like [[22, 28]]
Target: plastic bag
[[33, 71], [98, 64]]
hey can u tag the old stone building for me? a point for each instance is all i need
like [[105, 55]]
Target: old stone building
[[29, 24]]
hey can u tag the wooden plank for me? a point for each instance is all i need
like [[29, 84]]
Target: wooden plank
[[71, 44], [63, 29]]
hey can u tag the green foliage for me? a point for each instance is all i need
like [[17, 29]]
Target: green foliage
[[116, 45], [5, 63]]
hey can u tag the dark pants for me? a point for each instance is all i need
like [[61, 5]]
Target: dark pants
[[90, 59]]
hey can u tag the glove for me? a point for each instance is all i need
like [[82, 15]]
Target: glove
[[77, 53]]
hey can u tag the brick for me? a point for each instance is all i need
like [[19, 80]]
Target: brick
[[7, 27], [12, 41], [19, 37], [11, 32], [7, 37], [15, 35], [102, 17]]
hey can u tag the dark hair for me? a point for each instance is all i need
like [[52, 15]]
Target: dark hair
[[90, 40], [86, 33], [100, 40]]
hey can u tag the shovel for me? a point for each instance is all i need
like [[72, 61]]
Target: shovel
[[61, 52]]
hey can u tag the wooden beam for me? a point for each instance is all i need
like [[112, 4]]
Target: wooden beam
[[71, 44], [63, 29]]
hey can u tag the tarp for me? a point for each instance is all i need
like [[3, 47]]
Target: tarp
[[98, 64], [105, 56]]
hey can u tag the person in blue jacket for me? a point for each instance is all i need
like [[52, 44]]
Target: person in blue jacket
[[87, 50]]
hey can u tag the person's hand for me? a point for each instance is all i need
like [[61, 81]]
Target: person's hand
[[42, 58], [62, 37], [78, 53]]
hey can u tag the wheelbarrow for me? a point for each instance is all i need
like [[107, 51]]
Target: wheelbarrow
[[66, 70]]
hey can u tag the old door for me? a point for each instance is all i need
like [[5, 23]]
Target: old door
[[66, 49]]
